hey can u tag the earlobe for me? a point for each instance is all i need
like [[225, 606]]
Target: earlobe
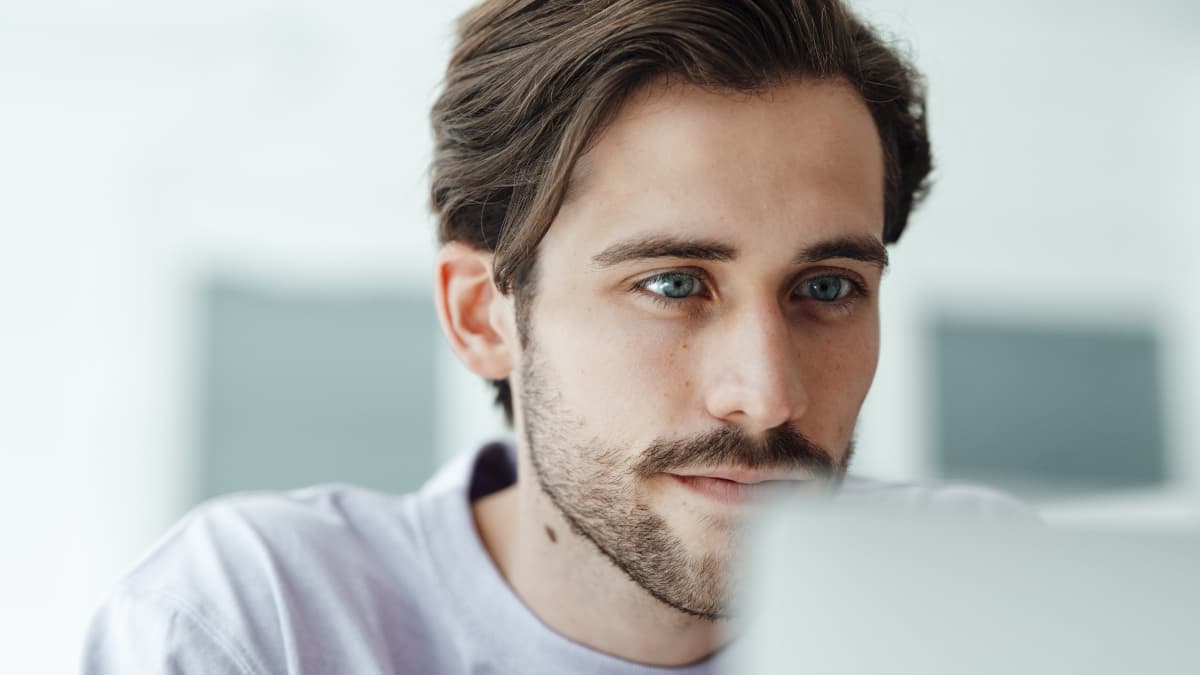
[[471, 309]]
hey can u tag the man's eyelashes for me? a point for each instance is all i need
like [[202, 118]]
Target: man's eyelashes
[[678, 286]]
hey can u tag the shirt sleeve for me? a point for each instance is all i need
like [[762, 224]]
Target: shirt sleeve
[[143, 633]]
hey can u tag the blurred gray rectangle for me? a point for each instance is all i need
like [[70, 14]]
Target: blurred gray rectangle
[[869, 589], [302, 387], [1045, 409]]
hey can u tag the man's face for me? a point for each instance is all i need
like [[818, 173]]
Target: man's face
[[705, 318]]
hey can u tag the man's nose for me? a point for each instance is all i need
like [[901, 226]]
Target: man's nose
[[756, 383]]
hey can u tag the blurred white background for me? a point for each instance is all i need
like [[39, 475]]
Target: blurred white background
[[148, 148]]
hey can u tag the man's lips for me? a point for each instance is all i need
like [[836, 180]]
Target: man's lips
[[736, 486], [745, 476]]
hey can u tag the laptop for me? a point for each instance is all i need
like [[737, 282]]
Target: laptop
[[852, 590]]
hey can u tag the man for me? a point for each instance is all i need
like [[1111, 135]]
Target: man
[[663, 227]]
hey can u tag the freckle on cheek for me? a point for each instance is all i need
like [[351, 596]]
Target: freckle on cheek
[[550, 533]]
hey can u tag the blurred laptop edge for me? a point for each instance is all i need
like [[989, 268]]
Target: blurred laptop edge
[[854, 589]]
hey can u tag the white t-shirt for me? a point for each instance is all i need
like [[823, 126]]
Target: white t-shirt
[[338, 579]]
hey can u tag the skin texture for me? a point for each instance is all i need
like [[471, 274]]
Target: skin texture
[[599, 537]]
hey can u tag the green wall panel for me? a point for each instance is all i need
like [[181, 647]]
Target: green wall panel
[[306, 387], [1047, 409]]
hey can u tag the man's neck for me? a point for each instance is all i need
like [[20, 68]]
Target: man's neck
[[577, 591]]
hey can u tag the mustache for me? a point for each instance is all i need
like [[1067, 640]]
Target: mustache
[[780, 449]]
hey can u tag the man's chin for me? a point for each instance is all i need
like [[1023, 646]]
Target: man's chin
[[702, 526], [713, 600]]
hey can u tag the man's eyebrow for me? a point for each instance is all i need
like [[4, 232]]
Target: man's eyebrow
[[664, 246], [863, 248]]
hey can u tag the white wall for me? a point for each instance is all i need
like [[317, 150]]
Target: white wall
[[1064, 138], [143, 143]]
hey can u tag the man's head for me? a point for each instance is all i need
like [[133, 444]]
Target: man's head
[[665, 226], [531, 85]]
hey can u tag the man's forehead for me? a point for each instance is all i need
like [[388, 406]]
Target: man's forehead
[[801, 163], [669, 108]]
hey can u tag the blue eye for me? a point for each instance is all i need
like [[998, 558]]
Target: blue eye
[[826, 288], [673, 285]]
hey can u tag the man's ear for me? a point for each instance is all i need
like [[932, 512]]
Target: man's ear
[[475, 316]]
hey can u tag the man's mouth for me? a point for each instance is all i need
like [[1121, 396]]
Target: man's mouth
[[737, 487]]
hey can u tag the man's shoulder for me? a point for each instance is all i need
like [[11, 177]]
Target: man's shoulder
[[246, 539], [269, 574], [966, 499]]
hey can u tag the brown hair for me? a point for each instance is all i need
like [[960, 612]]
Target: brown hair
[[532, 82]]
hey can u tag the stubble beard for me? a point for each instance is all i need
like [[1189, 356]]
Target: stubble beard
[[594, 486]]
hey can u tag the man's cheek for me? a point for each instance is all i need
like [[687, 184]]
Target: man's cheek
[[838, 404]]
